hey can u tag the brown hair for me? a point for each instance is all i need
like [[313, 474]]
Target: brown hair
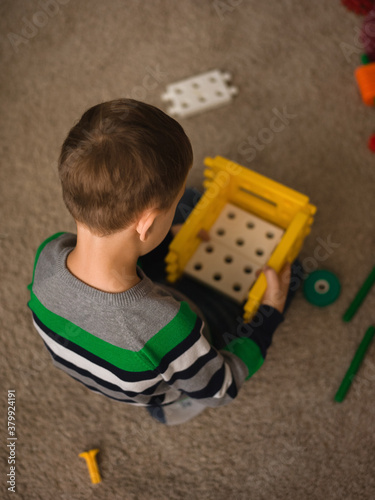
[[122, 157]]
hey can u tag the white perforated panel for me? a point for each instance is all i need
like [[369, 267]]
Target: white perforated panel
[[199, 93], [240, 244]]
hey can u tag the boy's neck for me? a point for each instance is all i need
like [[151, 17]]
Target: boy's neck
[[105, 263]]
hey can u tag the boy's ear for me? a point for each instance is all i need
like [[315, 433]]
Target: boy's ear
[[145, 223]]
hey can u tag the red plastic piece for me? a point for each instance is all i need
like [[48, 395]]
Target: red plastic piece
[[358, 6], [367, 36], [371, 143]]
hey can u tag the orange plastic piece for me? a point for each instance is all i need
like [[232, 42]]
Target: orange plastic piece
[[90, 457], [365, 76]]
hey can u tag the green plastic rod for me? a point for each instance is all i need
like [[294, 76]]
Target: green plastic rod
[[360, 297], [355, 364]]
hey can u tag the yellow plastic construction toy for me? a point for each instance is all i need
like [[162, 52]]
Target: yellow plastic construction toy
[[92, 465], [227, 182]]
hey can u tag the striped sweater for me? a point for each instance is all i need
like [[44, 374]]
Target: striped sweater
[[141, 346]]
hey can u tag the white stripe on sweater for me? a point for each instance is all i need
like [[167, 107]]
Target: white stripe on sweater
[[189, 357], [139, 400], [93, 368], [228, 379]]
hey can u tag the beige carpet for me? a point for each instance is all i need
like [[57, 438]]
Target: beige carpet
[[284, 437]]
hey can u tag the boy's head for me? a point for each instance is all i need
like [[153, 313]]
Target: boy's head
[[121, 158]]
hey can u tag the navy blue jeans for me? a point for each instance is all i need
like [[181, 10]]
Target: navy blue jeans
[[222, 314]]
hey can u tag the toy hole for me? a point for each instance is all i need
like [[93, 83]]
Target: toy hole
[[322, 286], [228, 259], [212, 79], [247, 269], [198, 266], [220, 232], [237, 287], [209, 249], [231, 215], [270, 235], [217, 277], [184, 104], [259, 252], [178, 91], [250, 225], [195, 85], [202, 99], [240, 242], [219, 94]]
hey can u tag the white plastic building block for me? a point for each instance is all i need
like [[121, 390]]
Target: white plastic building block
[[199, 93], [240, 244]]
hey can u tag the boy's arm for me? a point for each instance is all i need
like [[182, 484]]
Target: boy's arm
[[268, 317], [255, 338], [213, 376]]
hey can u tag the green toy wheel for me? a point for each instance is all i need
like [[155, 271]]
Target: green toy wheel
[[322, 288]]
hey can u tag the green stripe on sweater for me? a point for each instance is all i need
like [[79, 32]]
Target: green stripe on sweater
[[147, 358], [247, 350]]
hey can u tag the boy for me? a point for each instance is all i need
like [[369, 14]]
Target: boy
[[123, 170]]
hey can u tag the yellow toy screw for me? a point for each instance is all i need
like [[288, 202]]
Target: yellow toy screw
[[90, 457]]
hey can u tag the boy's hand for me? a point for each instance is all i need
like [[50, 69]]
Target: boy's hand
[[277, 287], [203, 235]]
